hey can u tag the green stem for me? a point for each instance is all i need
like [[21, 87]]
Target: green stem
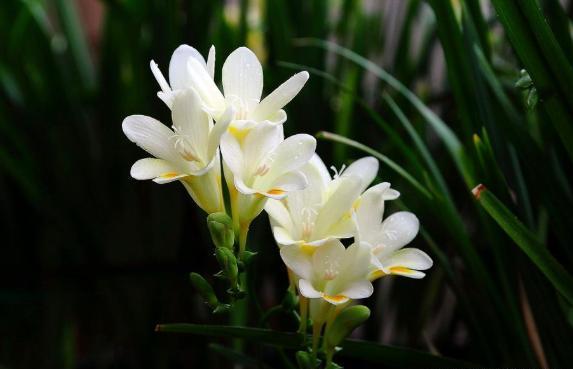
[[243, 233], [303, 304], [316, 328]]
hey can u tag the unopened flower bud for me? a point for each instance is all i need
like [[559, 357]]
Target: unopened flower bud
[[349, 319], [221, 229], [228, 263], [204, 289]]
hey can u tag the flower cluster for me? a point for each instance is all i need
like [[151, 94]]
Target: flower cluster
[[310, 210]]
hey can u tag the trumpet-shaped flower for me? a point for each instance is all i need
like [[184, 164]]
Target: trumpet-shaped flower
[[330, 272], [323, 210], [264, 165], [188, 152], [242, 85], [387, 238]]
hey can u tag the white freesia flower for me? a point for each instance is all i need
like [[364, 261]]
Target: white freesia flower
[[323, 210], [330, 272], [263, 164], [242, 85], [188, 153], [387, 238]]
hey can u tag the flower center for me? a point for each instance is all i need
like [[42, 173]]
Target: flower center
[[307, 214], [338, 173], [183, 146]]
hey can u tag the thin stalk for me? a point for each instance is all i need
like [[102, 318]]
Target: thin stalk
[[303, 305]]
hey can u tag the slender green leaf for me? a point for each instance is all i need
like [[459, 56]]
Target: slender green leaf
[[527, 242]]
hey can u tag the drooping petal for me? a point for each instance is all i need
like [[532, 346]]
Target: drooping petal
[[179, 77], [358, 290], [297, 259], [211, 62], [397, 231], [151, 135], [243, 75], [202, 82], [409, 258], [369, 212], [365, 169], [150, 168], [307, 290], [280, 97]]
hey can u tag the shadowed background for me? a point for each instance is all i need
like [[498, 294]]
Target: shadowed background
[[91, 260]]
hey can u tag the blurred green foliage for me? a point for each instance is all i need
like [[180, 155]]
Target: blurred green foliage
[[90, 259]]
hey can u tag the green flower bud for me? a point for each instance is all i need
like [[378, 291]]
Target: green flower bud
[[344, 324], [204, 289], [228, 263], [221, 229], [305, 360]]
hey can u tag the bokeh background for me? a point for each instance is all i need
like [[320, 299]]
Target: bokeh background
[[91, 260]]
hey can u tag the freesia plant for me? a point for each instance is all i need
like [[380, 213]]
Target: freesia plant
[[229, 151]]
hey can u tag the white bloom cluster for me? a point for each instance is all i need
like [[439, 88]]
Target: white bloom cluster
[[310, 211]]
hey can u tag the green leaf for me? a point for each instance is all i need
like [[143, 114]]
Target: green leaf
[[527, 242], [367, 351]]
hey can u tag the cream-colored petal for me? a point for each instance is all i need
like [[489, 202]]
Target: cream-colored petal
[[365, 169], [288, 182], [243, 75], [150, 168], [277, 99], [169, 177], [259, 142], [159, 77], [179, 77], [282, 237], [232, 154], [218, 130], [298, 260], [410, 258]]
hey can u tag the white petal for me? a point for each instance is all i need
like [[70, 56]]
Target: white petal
[[369, 212], [291, 154], [202, 82], [159, 77], [150, 168], [259, 143], [169, 177], [365, 169], [279, 214], [358, 290], [288, 182], [282, 237], [178, 73], [218, 130], [327, 259], [232, 153], [280, 97], [243, 75], [151, 135], [279, 117], [338, 205], [397, 231], [307, 290], [356, 263], [211, 62], [408, 258], [298, 260], [192, 122]]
